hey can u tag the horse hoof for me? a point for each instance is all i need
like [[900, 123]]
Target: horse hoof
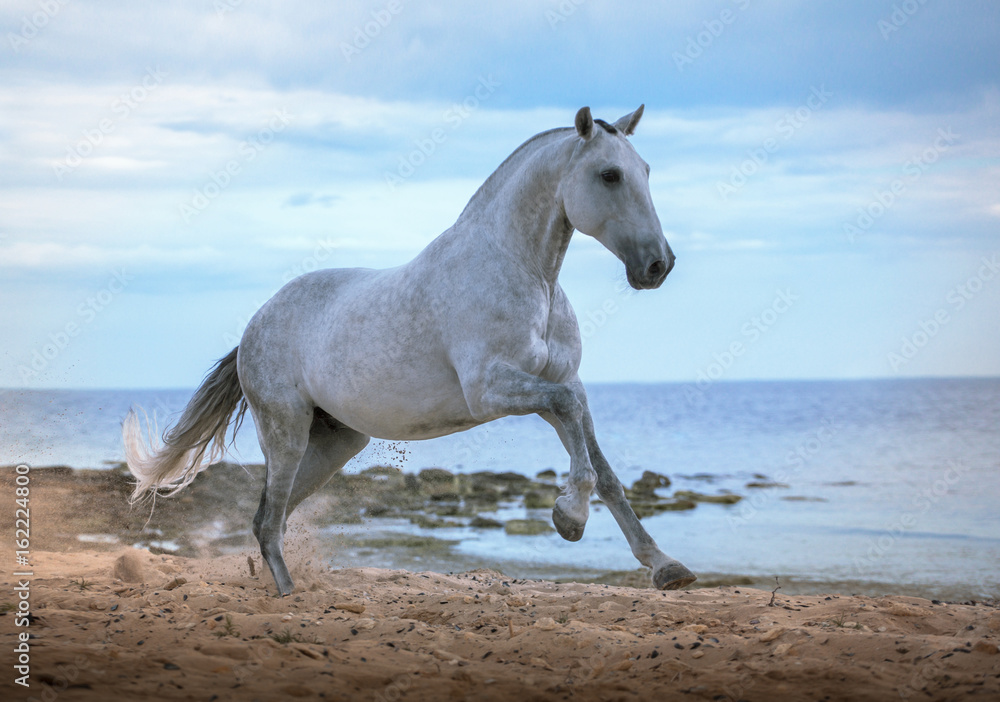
[[568, 528], [673, 576]]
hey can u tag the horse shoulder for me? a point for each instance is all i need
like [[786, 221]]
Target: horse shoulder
[[562, 337]]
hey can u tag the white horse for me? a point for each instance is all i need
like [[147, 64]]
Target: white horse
[[476, 327]]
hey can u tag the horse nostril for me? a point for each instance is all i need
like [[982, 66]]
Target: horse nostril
[[656, 269]]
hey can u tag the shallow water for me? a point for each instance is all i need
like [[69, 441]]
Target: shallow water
[[895, 481]]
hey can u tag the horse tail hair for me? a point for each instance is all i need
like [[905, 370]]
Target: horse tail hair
[[194, 443]]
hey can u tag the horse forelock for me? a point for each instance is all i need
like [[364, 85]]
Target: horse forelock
[[609, 128]]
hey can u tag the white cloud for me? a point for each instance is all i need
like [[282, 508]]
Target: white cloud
[[129, 185], [316, 194]]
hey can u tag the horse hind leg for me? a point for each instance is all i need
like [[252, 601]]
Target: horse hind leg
[[331, 446], [283, 431]]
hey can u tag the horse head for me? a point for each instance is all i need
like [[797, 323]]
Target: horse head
[[605, 193]]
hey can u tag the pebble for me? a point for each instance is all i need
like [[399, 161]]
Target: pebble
[[772, 634], [546, 624]]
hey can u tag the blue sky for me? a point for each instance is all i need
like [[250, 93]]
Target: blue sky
[[827, 174]]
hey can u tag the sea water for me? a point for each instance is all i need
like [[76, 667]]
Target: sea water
[[888, 481]]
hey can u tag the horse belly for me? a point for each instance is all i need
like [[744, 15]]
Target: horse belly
[[400, 402], [387, 418]]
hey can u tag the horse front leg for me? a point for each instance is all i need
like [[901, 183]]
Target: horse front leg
[[505, 390], [668, 573]]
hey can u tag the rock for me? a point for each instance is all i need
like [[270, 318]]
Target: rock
[[541, 498], [425, 522], [648, 509], [649, 482], [485, 523], [481, 492], [509, 477], [546, 474], [364, 624], [527, 527], [451, 510], [438, 484], [643, 509], [435, 475], [175, 583], [766, 484], [513, 484], [727, 499], [355, 607], [440, 494], [546, 624]]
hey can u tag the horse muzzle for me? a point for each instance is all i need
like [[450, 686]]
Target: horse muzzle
[[651, 273]]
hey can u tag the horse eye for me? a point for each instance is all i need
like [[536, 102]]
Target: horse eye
[[611, 176]]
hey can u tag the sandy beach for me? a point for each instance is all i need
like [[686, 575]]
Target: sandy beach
[[115, 622], [140, 626]]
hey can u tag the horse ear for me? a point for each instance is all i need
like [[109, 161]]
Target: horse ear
[[584, 123], [626, 125]]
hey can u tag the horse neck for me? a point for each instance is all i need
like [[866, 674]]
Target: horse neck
[[520, 213]]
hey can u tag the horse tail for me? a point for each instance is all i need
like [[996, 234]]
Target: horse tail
[[202, 427]]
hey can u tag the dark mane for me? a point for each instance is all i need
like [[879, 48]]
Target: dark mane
[[610, 129]]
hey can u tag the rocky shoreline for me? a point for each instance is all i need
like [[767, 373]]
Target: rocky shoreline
[[378, 517], [212, 515]]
